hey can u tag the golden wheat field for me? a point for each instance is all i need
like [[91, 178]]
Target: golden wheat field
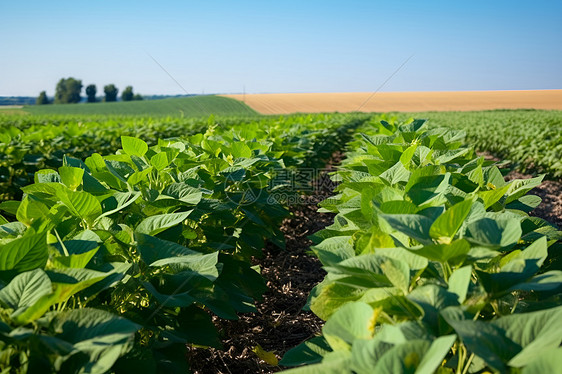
[[401, 101]]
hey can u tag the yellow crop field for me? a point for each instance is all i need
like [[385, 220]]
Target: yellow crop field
[[402, 101]]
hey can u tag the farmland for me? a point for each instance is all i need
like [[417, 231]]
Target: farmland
[[401, 101], [142, 242], [195, 106]]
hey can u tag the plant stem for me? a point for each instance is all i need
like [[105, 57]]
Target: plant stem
[[468, 364]]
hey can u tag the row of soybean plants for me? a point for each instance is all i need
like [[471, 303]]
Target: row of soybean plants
[[116, 262], [433, 264], [530, 139], [32, 143]]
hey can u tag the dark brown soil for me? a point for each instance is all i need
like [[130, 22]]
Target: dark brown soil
[[279, 323]]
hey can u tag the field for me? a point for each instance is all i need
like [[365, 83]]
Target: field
[[401, 101], [156, 237], [195, 106]]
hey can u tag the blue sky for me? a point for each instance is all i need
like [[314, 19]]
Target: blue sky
[[282, 46]]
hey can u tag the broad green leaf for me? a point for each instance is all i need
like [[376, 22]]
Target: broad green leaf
[[30, 209], [414, 225], [118, 201], [46, 176], [139, 176], [520, 187], [402, 359], [71, 177], [548, 281], [101, 336], [333, 250], [459, 282], [435, 354], [492, 196], [398, 273], [67, 282], [444, 252], [182, 192], [25, 290], [332, 297], [158, 223], [337, 362], [518, 270], [133, 146], [494, 233], [446, 225], [549, 361], [310, 352], [25, 253], [352, 321], [432, 298], [535, 332], [153, 249], [398, 207], [486, 341], [160, 161], [367, 353]]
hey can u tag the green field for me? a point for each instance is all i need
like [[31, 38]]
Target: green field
[[195, 106]]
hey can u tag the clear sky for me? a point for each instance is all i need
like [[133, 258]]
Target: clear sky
[[280, 46]]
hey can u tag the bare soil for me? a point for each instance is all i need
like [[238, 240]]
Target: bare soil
[[401, 101]]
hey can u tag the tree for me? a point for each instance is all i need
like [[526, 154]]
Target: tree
[[110, 92], [42, 99], [138, 97], [127, 94], [91, 91], [68, 91]]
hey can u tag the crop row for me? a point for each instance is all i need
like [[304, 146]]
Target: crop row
[[116, 262], [532, 140], [32, 143], [433, 264]]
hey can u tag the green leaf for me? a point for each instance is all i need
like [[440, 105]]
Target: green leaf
[[448, 224], [82, 205], [494, 233], [414, 225], [486, 341], [459, 282], [25, 253], [337, 362], [432, 298], [25, 290], [310, 352], [155, 224], [133, 146], [519, 187], [71, 177], [182, 192], [159, 161], [549, 361], [352, 321], [153, 249], [333, 250], [433, 357], [402, 359], [118, 201], [535, 332], [492, 196], [99, 335], [444, 252]]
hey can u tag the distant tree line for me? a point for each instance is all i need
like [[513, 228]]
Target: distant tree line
[[68, 91]]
